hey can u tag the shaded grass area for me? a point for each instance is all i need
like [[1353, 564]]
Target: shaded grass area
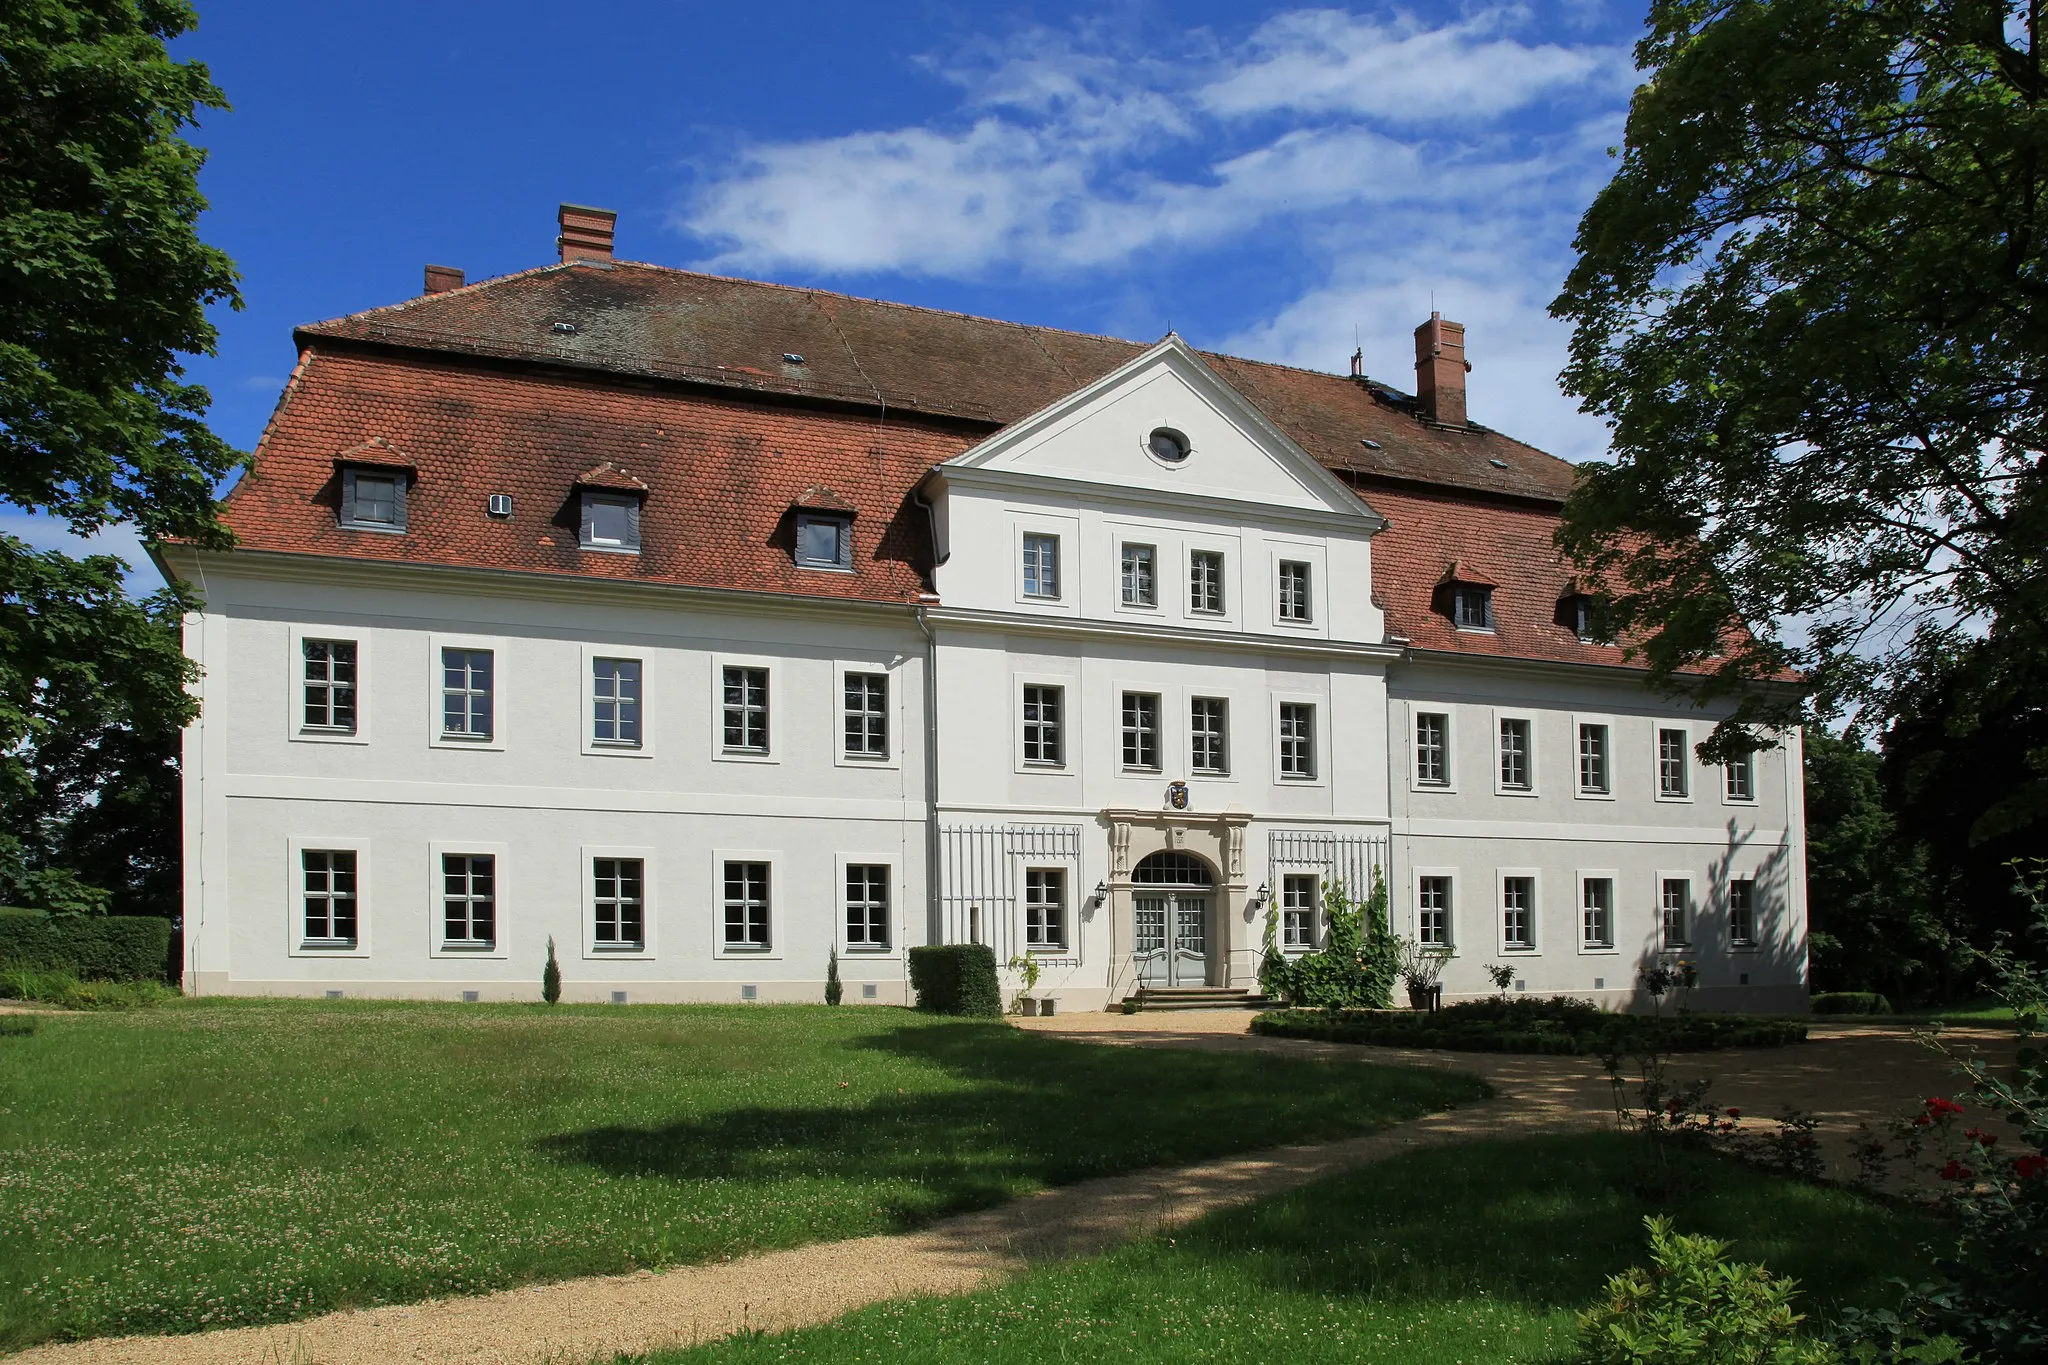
[[1483, 1251], [1557, 1025], [218, 1162]]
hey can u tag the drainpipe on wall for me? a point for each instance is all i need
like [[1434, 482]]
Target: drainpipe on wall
[[934, 917]]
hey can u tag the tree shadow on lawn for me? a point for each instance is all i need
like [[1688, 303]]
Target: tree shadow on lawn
[[1034, 1112]]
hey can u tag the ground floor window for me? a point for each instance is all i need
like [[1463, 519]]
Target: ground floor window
[[1597, 896], [746, 905], [867, 905], [1742, 911], [469, 900], [330, 891], [1433, 911], [1518, 913], [620, 901], [1674, 902], [1045, 908], [1298, 911]]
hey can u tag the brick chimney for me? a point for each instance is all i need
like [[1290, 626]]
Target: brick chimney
[[1440, 367], [442, 278], [586, 233]]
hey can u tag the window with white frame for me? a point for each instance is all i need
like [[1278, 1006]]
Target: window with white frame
[[867, 905], [1141, 731], [1041, 566], [1298, 911], [619, 902], [469, 900], [466, 692], [1433, 912], [1472, 607], [373, 499], [1741, 778], [610, 521], [1045, 908], [615, 702], [1209, 734], [330, 685], [1674, 764], [1596, 920], [823, 541], [1140, 576], [866, 718], [330, 897], [1042, 725], [1205, 582], [1297, 740], [1674, 911], [1516, 773], [1518, 914], [746, 710], [1742, 912], [1294, 591], [1595, 778], [1432, 749], [746, 906]]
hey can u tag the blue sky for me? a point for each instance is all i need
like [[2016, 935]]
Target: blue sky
[[1267, 180]]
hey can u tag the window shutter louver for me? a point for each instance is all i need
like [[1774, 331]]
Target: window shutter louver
[[633, 523], [348, 496], [583, 532], [399, 485]]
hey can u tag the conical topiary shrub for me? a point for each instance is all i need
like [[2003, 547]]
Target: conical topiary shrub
[[551, 976], [833, 990]]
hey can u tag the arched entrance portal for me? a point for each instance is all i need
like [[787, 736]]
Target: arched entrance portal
[[1171, 898]]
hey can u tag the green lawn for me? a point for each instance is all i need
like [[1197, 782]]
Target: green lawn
[[216, 1162], [1476, 1253]]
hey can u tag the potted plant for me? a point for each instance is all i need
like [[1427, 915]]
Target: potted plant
[[1422, 967], [1026, 967]]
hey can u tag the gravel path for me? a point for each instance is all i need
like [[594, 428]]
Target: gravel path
[[1846, 1075]]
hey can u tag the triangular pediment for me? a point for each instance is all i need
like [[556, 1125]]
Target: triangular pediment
[[1103, 434]]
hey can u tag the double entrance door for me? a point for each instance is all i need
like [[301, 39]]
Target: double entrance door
[[1171, 936]]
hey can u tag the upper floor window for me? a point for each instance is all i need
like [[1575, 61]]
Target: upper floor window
[[1168, 445], [867, 715], [1297, 740], [611, 521], [373, 499], [1740, 776], [1141, 731], [1298, 911], [615, 701], [1674, 768], [1516, 773], [466, 693], [1593, 760], [867, 905], [1045, 908], [1432, 749], [1472, 606], [746, 710], [1209, 734], [1041, 566], [1742, 911], [619, 902], [1042, 738], [823, 542], [330, 896], [1596, 926], [1205, 582], [330, 683], [1433, 911], [1140, 576], [1294, 595]]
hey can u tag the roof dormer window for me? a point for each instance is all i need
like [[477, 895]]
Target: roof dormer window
[[824, 540], [373, 499], [610, 521], [1471, 606]]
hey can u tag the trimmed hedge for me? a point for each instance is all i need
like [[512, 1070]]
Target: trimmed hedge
[[956, 978], [1557, 1025], [91, 947], [1850, 1002]]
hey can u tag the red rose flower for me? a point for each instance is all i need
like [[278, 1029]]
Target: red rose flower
[[1937, 1105], [2027, 1167], [1734, 1113], [1955, 1170]]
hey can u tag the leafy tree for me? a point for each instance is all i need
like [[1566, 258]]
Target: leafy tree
[[1813, 307], [104, 284]]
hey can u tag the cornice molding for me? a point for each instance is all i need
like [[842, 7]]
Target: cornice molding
[[1019, 623]]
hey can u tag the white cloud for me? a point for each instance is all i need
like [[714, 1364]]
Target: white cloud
[[48, 533]]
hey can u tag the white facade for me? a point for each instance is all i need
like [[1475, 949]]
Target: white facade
[[1130, 652]]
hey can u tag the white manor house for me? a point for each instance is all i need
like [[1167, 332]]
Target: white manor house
[[706, 627]]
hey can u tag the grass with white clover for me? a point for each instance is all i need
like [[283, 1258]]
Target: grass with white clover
[[221, 1162]]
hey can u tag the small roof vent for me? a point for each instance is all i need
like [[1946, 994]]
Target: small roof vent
[[1369, 445], [792, 358], [567, 329], [1496, 462]]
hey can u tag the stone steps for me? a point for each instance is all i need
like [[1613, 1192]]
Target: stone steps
[[1197, 998]]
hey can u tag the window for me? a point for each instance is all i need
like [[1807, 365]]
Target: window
[[867, 905], [823, 542], [746, 710], [466, 693], [1471, 607], [1515, 773], [1579, 613], [373, 500], [1294, 601], [1297, 740], [330, 896], [1432, 749], [615, 701], [620, 901], [330, 685], [1167, 445], [1205, 582], [1298, 911], [1045, 908], [1433, 911], [1593, 774], [1741, 778], [469, 900], [1518, 914], [611, 521], [1140, 576], [1597, 920], [1742, 912], [867, 715], [1674, 906], [1041, 566], [1042, 725], [746, 906], [1141, 731], [1674, 769], [1209, 734]]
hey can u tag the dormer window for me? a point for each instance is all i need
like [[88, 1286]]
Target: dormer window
[[610, 521], [1471, 606], [372, 499], [823, 541]]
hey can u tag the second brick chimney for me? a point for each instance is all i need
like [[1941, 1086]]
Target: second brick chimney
[[442, 278], [586, 233], [1440, 367]]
